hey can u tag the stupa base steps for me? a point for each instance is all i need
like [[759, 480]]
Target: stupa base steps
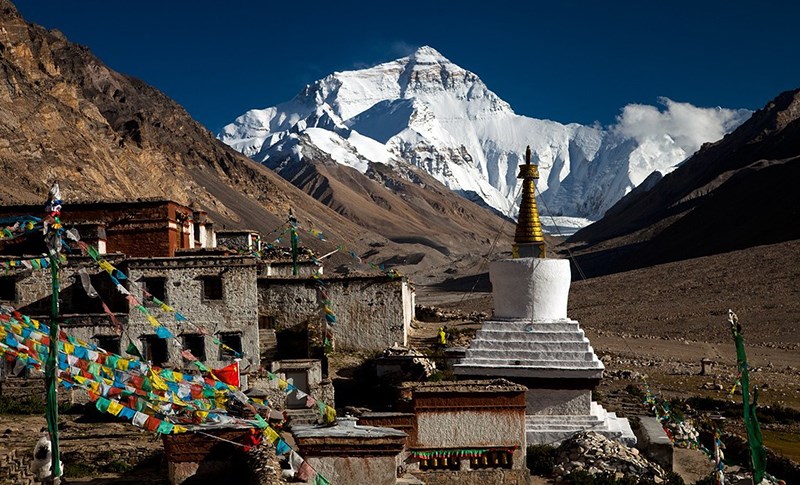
[[552, 429]]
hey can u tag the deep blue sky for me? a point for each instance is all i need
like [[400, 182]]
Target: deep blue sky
[[569, 61]]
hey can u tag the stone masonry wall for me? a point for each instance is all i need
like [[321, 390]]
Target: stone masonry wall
[[476, 477], [235, 312], [372, 313], [356, 470]]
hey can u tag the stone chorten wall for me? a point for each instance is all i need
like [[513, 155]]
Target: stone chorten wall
[[530, 340]]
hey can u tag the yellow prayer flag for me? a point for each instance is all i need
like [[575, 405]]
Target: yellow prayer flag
[[69, 349], [105, 266], [157, 382], [202, 415], [153, 321], [114, 407], [122, 364], [330, 414], [271, 434], [179, 429], [282, 385]]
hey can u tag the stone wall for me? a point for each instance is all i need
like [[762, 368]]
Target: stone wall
[[476, 477], [357, 470], [470, 429], [82, 317], [235, 312], [372, 313], [559, 401]]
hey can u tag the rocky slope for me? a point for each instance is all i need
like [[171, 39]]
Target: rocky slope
[[737, 193]]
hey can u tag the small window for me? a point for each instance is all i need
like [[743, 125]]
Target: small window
[[212, 288], [157, 287], [266, 322], [155, 350], [8, 289], [232, 340], [109, 343], [196, 344]]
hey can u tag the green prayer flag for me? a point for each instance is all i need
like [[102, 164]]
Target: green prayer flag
[[260, 422], [132, 350], [102, 404], [165, 427], [320, 480], [93, 252], [758, 454]]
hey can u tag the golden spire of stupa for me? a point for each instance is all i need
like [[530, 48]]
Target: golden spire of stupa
[[528, 239]]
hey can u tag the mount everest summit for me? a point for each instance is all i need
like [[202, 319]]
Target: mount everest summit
[[425, 111]]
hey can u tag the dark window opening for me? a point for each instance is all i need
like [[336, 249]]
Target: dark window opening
[[491, 459], [157, 287], [155, 350], [232, 340], [196, 344], [8, 289], [197, 234], [79, 301], [212, 288], [440, 463], [266, 322], [109, 343]]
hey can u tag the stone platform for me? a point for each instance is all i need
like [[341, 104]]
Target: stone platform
[[552, 429], [532, 349]]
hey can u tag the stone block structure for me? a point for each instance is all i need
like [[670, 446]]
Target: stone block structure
[[138, 228], [458, 428], [372, 312], [531, 341], [213, 292], [349, 454]]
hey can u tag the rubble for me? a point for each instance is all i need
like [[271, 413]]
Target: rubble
[[595, 454]]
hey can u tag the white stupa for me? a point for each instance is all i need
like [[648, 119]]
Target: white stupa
[[531, 341]]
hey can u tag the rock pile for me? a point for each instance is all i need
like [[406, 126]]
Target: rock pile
[[683, 434], [595, 454]]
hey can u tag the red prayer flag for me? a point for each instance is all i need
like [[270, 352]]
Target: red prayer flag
[[228, 374], [151, 424]]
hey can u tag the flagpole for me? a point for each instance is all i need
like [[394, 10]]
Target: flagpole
[[293, 239], [53, 208]]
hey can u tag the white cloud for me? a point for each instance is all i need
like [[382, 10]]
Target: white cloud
[[681, 125]]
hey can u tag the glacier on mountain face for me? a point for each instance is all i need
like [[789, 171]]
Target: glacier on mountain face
[[426, 111]]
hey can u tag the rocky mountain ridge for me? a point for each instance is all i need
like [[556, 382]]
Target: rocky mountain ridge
[[423, 110], [734, 194]]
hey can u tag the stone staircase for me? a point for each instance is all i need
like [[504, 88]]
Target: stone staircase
[[527, 346], [21, 388], [302, 416], [419, 342], [268, 344], [553, 429], [14, 469]]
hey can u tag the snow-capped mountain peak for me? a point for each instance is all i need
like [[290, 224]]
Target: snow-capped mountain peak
[[425, 110]]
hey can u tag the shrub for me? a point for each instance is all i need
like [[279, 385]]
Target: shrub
[[541, 459]]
